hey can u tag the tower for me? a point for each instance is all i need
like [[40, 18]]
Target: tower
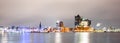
[[40, 26]]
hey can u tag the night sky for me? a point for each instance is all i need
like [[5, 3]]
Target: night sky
[[31, 12]]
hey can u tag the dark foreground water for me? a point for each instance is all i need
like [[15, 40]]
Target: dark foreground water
[[84, 37]]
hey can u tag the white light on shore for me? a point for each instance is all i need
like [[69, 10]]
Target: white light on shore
[[98, 24]]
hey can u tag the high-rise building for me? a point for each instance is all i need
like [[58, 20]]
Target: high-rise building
[[61, 27], [85, 22], [59, 24], [81, 21], [89, 22], [12, 27], [78, 20], [82, 24]]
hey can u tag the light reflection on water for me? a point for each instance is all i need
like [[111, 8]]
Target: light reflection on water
[[84, 37], [4, 38], [58, 38], [80, 37], [24, 38]]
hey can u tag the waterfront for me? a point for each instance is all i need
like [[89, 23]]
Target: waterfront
[[70, 37]]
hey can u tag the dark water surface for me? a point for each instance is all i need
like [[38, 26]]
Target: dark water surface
[[80, 37]]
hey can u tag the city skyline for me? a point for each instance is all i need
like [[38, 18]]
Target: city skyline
[[29, 12]]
